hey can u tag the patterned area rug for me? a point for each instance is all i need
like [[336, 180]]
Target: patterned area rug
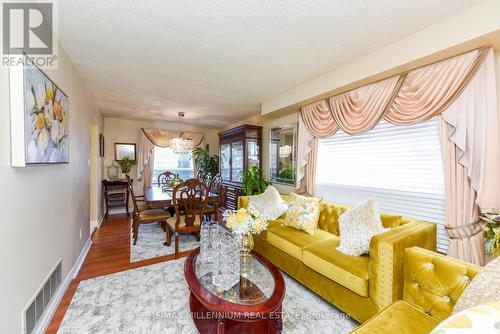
[[150, 243], [154, 299]]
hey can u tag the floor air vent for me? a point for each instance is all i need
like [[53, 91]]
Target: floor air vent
[[42, 298]]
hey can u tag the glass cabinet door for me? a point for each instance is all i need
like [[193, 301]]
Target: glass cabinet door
[[225, 160], [253, 153], [237, 161]]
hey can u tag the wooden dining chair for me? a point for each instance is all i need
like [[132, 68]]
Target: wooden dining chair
[[221, 202], [214, 188], [190, 201], [165, 178], [140, 199], [145, 215], [215, 184]]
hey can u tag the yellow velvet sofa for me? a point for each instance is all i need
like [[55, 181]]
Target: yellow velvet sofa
[[358, 285], [432, 285]]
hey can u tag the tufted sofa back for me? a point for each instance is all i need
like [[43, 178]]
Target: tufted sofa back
[[330, 213], [433, 282]]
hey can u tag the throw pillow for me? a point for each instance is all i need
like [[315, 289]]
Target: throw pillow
[[484, 287], [303, 213], [357, 226], [269, 203]]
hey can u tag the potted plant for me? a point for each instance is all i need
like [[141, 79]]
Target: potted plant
[[491, 233], [126, 165], [205, 163], [254, 182]]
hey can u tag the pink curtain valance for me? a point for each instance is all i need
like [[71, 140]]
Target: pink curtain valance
[[359, 110], [411, 97], [428, 91], [318, 119]]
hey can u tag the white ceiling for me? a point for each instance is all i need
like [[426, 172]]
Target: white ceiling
[[217, 60]]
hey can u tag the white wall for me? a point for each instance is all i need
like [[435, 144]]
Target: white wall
[[117, 130], [43, 207]]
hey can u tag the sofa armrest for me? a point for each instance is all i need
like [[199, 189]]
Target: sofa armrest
[[387, 256], [431, 278]]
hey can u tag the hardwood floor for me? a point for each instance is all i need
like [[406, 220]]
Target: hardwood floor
[[109, 253]]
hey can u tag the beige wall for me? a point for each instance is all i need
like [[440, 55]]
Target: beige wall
[[118, 130], [44, 208]]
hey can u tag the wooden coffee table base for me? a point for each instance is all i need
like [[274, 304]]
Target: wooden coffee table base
[[211, 322]]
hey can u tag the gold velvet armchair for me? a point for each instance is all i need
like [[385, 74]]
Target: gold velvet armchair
[[432, 285]]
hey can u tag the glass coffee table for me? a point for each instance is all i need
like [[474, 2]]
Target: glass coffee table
[[252, 305]]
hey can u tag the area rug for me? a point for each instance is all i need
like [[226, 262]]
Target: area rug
[[150, 243], [154, 299]]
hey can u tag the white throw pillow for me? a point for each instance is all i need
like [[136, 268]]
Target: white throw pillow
[[269, 203], [357, 226]]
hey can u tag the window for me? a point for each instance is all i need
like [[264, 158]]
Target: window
[[177, 163], [400, 167]]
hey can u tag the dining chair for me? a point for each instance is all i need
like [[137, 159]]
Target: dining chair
[[214, 188], [221, 202], [140, 199], [145, 215], [215, 184], [207, 179], [165, 178], [190, 201]]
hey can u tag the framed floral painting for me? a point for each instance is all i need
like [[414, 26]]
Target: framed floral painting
[[46, 118]]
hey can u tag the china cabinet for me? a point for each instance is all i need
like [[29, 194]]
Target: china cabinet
[[240, 148]]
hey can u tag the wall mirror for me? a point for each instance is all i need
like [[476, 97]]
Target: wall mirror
[[283, 154]]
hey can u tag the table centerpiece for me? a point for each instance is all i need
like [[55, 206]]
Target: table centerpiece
[[243, 223]]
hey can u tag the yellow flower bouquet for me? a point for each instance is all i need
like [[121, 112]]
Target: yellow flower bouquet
[[245, 221]]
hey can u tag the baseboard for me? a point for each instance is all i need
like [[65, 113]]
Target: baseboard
[[54, 303], [99, 222]]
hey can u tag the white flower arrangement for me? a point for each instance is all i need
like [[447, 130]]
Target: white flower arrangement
[[245, 221]]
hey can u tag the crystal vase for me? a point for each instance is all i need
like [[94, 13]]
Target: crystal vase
[[246, 246]]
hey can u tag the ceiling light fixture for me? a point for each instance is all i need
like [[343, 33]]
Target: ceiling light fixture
[[178, 144]]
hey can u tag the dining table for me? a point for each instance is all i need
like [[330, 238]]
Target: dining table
[[158, 197]]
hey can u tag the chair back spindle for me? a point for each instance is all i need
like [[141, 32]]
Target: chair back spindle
[[165, 178], [190, 197]]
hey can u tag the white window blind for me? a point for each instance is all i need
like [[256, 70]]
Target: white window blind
[[399, 167]]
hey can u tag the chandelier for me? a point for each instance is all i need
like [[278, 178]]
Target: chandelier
[[179, 144], [285, 151]]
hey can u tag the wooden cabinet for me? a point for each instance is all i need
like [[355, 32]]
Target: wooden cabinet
[[240, 148]]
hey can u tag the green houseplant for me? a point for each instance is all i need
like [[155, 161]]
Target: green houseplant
[[205, 163], [254, 182], [286, 174], [491, 233], [126, 165]]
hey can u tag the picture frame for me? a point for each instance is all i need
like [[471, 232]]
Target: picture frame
[[101, 145], [39, 111], [123, 150]]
